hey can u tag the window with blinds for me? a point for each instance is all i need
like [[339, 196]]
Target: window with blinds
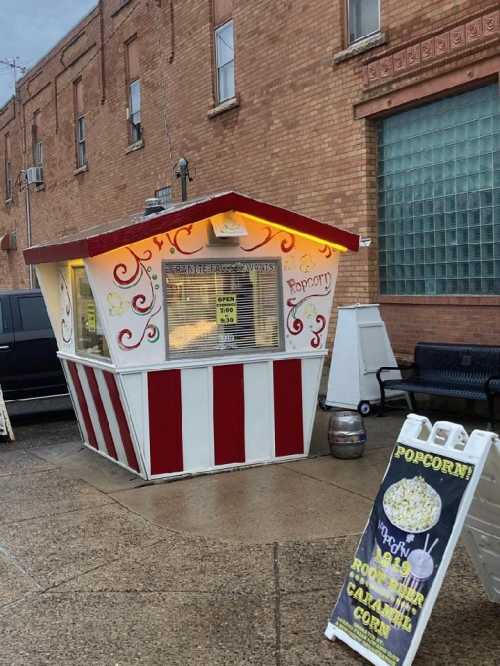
[[222, 307]]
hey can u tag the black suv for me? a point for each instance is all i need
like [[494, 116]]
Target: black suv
[[29, 367]]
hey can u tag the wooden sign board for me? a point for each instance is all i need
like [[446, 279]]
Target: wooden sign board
[[404, 552]]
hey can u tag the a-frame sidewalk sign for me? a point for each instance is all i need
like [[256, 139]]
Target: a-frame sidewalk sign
[[438, 480]]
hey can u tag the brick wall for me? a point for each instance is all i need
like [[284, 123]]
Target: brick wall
[[294, 139]]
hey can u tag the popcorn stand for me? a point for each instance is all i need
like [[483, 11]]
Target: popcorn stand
[[193, 338]]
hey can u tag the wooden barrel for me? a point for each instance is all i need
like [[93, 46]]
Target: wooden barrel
[[346, 434]]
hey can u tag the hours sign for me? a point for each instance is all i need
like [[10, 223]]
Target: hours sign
[[226, 309]]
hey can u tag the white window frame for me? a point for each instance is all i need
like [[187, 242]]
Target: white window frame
[[8, 180], [135, 127], [81, 141], [38, 154], [362, 37], [219, 67], [37, 146], [8, 170]]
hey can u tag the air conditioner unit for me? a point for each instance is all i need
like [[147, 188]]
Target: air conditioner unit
[[34, 175], [8, 242]]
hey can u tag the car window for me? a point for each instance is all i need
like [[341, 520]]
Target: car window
[[33, 313], [2, 326]]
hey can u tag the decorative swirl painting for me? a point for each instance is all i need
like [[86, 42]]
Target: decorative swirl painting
[[295, 323], [137, 273], [287, 244], [66, 323]]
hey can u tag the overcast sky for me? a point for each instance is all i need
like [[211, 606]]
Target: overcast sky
[[30, 28]]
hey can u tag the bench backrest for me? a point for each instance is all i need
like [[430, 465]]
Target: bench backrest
[[457, 362]]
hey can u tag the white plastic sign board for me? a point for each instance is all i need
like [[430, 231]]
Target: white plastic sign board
[[360, 348], [5, 427], [482, 528], [227, 227], [404, 552]]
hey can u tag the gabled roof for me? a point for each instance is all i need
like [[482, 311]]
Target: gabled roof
[[106, 237]]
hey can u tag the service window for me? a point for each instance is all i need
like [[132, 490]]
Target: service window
[[90, 337], [222, 307]]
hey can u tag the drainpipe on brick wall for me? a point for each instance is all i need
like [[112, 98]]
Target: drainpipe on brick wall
[[27, 202], [27, 193], [103, 67]]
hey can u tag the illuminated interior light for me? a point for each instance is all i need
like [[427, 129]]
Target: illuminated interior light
[[315, 239], [185, 335]]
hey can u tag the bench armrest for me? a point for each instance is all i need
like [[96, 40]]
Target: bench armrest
[[395, 367], [487, 383]]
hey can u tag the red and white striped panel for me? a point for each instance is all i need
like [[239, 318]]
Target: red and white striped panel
[[202, 418], [100, 413]]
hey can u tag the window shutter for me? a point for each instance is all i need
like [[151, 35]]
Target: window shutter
[[223, 11], [35, 127], [216, 308], [79, 98], [133, 60]]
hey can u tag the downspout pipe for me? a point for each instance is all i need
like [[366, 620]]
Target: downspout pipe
[[103, 66], [24, 181], [27, 202]]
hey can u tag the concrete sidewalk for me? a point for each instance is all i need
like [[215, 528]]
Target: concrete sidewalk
[[236, 568]]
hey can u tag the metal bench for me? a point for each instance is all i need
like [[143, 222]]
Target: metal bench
[[455, 370]]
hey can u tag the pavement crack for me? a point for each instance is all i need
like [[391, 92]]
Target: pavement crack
[[330, 483], [13, 561], [53, 587], [61, 457], [50, 469], [165, 528], [277, 602], [16, 602], [56, 514]]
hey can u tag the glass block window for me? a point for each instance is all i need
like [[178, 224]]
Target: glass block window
[[439, 197]]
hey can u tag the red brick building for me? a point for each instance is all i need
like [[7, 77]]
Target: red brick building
[[379, 116]]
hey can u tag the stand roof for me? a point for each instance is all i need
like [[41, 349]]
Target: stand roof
[[103, 238]]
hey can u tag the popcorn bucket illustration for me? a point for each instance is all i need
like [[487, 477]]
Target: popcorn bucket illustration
[[411, 508]]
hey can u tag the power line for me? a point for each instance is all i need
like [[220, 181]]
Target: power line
[[12, 65]]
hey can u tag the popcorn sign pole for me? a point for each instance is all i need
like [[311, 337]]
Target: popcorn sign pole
[[407, 545]]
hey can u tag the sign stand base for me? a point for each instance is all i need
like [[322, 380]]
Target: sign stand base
[[5, 426]]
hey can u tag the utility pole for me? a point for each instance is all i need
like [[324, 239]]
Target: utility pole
[[15, 66]]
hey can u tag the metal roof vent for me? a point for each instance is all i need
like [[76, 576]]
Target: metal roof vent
[[153, 205]]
